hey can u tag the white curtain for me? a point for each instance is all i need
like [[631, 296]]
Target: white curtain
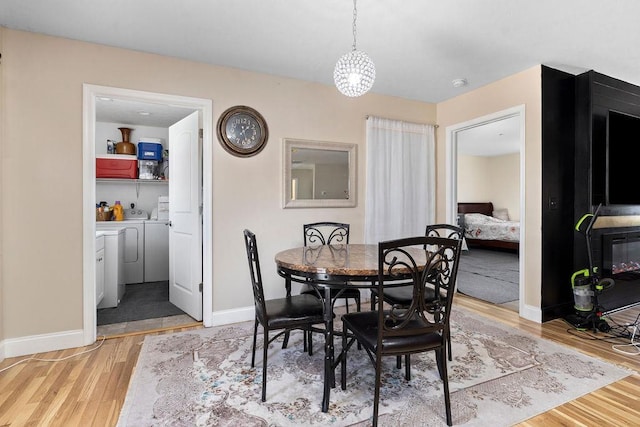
[[400, 195]]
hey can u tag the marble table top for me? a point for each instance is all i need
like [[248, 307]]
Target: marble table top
[[351, 260]]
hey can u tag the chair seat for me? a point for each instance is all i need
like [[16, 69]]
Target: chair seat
[[293, 311], [348, 293], [403, 295], [364, 326]]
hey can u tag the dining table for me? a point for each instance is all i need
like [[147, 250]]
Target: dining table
[[339, 267]]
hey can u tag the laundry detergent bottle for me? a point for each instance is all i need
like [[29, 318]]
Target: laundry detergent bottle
[[118, 211]]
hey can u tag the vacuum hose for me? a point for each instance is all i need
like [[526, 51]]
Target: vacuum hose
[[605, 284]]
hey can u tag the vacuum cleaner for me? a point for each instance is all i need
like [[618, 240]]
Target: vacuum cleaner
[[588, 285]]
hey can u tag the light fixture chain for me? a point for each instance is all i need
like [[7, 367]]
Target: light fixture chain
[[355, 16]]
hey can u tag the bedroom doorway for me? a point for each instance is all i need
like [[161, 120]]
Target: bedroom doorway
[[490, 146]]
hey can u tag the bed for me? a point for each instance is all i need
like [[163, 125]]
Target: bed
[[482, 229]]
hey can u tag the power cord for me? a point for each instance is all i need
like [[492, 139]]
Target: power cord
[[55, 360], [587, 335], [635, 345]]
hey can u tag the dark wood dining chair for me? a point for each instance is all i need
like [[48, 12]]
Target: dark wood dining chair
[[327, 233], [402, 296], [422, 325], [283, 314]]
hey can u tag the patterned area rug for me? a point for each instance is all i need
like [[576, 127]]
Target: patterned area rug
[[499, 376]]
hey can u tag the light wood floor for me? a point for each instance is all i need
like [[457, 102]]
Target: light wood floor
[[89, 390]]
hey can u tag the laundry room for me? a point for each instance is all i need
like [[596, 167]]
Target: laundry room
[[132, 196]]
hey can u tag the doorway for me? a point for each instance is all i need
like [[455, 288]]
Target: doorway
[[92, 94], [454, 139]]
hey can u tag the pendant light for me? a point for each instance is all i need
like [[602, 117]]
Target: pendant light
[[354, 72]]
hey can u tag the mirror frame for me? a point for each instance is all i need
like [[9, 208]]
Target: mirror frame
[[288, 202]]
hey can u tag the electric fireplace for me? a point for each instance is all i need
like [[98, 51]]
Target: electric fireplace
[[621, 255], [621, 262]]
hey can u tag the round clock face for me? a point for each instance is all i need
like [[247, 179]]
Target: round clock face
[[242, 131]]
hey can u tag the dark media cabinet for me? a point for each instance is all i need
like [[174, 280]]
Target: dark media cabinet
[[575, 176]]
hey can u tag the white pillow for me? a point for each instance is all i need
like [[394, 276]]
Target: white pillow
[[502, 214]]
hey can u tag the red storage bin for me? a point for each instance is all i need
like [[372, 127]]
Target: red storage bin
[[117, 166]]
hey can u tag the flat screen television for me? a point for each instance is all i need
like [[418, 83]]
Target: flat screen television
[[623, 159]]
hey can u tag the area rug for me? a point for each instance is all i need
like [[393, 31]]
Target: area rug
[[489, 275], [499, 376]]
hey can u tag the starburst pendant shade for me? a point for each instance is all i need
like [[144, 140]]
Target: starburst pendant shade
[[354, 73]]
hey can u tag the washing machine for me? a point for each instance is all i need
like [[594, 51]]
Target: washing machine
[[114, 286]]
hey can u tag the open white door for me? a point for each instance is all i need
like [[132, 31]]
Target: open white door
[[185, 217]]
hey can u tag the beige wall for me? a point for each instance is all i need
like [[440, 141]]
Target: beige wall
[[42, 168], [493, 179], [523, 88], [3, 300]]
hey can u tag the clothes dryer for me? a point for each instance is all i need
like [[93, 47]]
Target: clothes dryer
[[156, 251]]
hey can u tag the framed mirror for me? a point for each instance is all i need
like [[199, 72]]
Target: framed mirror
[[319, 174]]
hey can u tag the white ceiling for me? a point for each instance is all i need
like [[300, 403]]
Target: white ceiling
[[419, 46], [128, 112], [497, 138]]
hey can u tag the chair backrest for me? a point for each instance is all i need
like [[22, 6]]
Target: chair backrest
[[325, 233], [256, 275], [444, 230], [426, 270]]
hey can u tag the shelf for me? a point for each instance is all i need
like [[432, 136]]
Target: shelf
[[132, 181]]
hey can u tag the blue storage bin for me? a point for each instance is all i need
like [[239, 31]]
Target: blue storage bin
[[149, 151]]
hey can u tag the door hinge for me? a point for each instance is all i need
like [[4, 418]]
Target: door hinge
[[201, 133], [200, 287]]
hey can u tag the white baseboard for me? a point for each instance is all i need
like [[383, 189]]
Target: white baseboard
[[42, 343], [225, 317], [532, 313], [70, 339]]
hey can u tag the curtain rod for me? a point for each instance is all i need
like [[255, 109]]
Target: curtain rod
[[429, 124]]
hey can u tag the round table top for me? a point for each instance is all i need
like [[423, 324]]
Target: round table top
[[341, 259], [336, 262]]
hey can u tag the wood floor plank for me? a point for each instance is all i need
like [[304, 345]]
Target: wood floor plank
[[89, 390]]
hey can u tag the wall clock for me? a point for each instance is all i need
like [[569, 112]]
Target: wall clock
[[242, 131]]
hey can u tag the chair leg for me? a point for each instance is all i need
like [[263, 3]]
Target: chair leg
[[407, 367], [442, 367], [310, 341], [441, 363], [449, 343], [358, 304], [253, 355], [264, 364], [398, 362], [376, 396], [343, 363], [346, 303], [285, 342]]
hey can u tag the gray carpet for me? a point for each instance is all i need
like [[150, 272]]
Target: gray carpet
[[140, 301], [489, 275]]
